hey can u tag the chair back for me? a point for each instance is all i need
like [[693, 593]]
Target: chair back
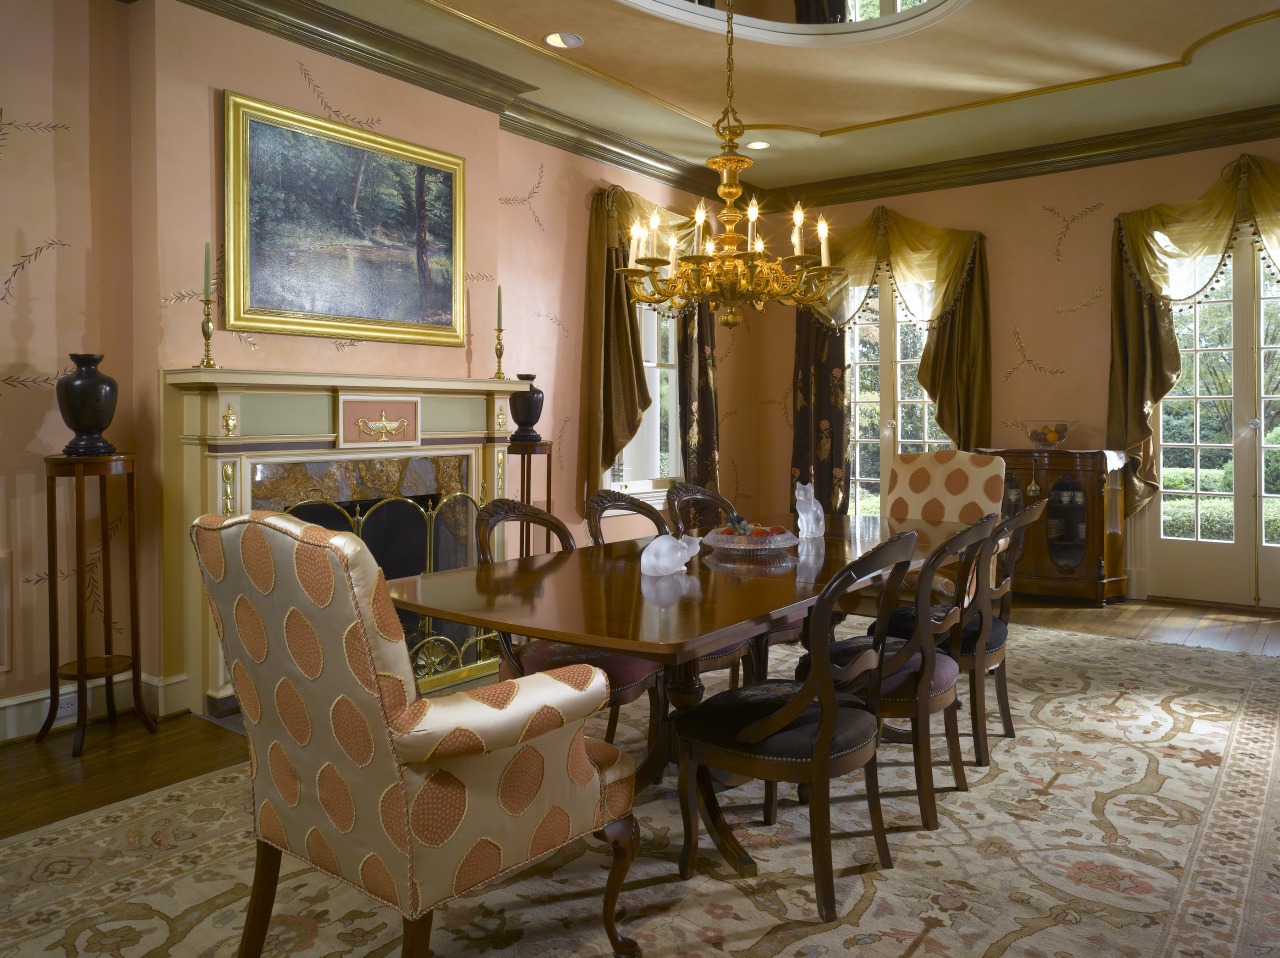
[[318, 661], [945, 486], [1010, 534], [687, 504], [607, 500], [495, 512], [890, 559]]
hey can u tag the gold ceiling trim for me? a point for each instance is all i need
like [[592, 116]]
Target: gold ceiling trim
[[1185, 61]]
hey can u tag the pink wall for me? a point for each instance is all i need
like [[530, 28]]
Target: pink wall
[[1050, 280]]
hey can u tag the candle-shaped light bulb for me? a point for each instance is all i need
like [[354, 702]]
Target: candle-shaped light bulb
[[753, 213], [797, 217], [671, 260], [711, 246], [644, 241], [654, 221], [499, 308], [206, 275], [822, 241], [699, 217], [795, 240], [635, 243], [759, 247]]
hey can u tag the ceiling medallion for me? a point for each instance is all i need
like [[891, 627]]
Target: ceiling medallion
[[717, 272]]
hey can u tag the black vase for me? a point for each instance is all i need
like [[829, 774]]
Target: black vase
[[526, 408], [87, 401]]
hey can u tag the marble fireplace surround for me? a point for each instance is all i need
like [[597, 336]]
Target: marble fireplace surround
[[221, 427]]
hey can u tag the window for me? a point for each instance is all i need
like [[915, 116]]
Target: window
[[890, 412], [871, 9], [651, 460]]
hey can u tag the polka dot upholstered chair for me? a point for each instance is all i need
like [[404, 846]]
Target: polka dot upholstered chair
[[414, 801], [945, 486]]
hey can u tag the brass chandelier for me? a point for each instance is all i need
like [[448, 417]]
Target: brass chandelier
[[717, 271]]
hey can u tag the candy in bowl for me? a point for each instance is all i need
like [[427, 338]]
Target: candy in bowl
[[1047, 433]]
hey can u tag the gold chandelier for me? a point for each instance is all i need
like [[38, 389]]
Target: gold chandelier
[[717, 272]]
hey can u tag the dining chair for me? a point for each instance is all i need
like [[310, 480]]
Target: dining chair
[[800, 731], [690, 506], [413, 801], [966, 644], [917, 679], [629, 676]]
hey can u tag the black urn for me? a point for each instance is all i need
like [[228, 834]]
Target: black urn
[[87, 401], [526, 408]]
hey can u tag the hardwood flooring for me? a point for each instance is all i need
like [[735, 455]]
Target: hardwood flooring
[[42, 783]]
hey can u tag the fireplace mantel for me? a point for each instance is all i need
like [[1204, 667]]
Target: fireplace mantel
[[216, 422]]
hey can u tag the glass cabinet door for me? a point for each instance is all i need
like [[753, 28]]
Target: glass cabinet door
[[1066, 524]]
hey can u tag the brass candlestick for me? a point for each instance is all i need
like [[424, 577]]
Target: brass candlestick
[[206, 328], [497, 349]]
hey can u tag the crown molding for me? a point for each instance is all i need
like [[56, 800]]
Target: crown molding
[[535, 122], [357, 41], [1221, 130]]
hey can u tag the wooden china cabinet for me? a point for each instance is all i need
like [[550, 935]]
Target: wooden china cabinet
[[1076, 550]]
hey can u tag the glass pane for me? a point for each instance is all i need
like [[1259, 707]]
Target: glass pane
[[869, 422], [908, 383], [1220, 286], [669, 465], [868, 464], [1215, 325], [867, 349], [908, 4], [1177, 468], [1215, 374], [867, 9], [868, 499], [1216, 470], [1177, 516], [1186, 384], [1177, 421], [1271, 323], [667, 340], [1270, 422], [868, 383], [1271, 372], [910, 341], [1217, 519], [1270, 276], [1184, 326], [1271, 472], [1215, 421], [911, 425], [908, 447], [932, 430], [1271, 522]]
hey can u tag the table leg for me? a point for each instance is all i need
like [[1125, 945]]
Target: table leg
[[82, 627], [51, 522], [107, 624], [135, 644]]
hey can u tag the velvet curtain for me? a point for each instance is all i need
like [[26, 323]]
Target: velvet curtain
[[696, 373], [820, 409], [1153, 258]]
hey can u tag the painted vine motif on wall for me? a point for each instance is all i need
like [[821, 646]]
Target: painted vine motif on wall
[[554, 320], [9, 126], [1068, 222], [785, 403], [527, 200], [1079, 307], [93, 570], [564, 424], [6, 290], [216, 289], [479, 277], [1026, 360], [368, 123]]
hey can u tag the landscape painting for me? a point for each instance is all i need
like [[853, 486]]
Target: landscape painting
[[336, 231]]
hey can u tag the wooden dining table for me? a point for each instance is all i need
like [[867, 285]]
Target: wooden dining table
[[597, 597]]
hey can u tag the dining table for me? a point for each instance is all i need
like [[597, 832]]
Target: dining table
[[597, 597]]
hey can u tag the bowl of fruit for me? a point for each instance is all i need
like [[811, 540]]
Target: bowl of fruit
[[739, 538], [1047, 433]]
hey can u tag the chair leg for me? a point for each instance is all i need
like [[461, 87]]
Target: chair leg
[[735, 674], [1002, 698], [721, 834], [415, 940], [612, 728], [687, 786], [871, 772], [820, 842], [266, 872], [952, 725], [771, 803], [760, 658], [978, 716], [624, 835], [920, 751]]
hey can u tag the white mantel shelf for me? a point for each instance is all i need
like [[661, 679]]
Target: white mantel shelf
[[197, 378]]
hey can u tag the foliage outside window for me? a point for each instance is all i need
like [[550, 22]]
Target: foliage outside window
[[651, 460]]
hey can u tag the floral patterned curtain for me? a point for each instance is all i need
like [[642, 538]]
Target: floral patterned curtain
[[820, 405], [699, 425]]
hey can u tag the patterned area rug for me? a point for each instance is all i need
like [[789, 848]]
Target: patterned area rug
[[1136, 814]]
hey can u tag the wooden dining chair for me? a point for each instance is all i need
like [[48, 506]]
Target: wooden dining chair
[[978, 647], [691, 506], [629, 676], [799, 731]]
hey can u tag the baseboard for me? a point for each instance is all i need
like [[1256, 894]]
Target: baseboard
[[22, 715], [220, 706]]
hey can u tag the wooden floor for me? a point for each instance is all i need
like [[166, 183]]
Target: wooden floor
[[44, 784]]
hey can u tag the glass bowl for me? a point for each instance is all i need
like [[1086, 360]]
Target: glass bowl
[[1047, 433], [730, 546]]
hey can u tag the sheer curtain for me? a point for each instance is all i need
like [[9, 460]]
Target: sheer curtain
[[1153, 255]]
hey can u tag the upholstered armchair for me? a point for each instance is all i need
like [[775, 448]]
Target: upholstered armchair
[[414, 801]]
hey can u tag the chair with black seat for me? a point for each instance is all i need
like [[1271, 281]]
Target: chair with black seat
[[629, 676], [999, 555], [691, 506], [800, 731], [917, 679]]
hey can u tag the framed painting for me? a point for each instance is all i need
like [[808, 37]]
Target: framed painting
[[335, 231]]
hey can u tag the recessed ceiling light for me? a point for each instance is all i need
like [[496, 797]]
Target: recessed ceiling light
[[562, 41], [758, 145]]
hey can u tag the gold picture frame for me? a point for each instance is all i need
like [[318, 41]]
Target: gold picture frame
[[335, 231]]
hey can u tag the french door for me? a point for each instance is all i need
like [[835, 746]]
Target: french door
[[1217, 538]]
